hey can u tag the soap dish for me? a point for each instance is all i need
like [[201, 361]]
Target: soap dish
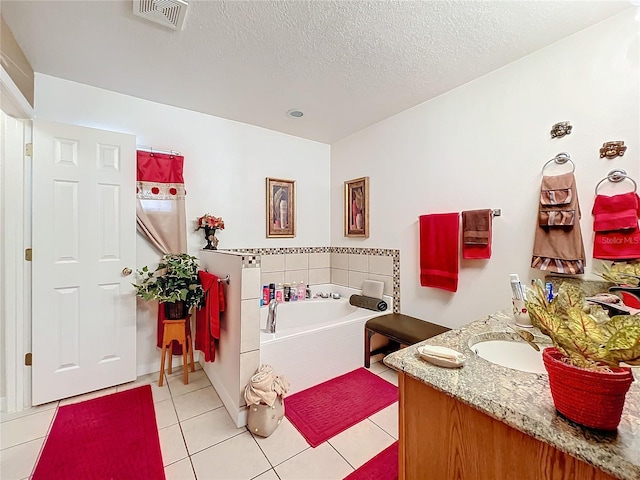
[[441, 356]]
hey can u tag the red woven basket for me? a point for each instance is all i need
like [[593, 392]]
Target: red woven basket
[[590, 398]]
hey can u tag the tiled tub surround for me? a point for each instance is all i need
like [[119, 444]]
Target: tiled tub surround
[[317, 339], [344, 266], [238, 350], [523, 400], [238, 355]]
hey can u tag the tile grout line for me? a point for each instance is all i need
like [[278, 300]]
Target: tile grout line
[[212, 445], [44, 442], [261, 450], [273, 467], [184, 440], [382, 428], [336, 450]]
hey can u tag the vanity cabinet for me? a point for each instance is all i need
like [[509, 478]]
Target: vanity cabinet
[[443, 438], [484, 421]]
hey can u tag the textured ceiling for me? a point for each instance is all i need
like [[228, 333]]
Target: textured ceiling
[[346, 64]]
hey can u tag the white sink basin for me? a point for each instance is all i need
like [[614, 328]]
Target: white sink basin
[[510, 353]]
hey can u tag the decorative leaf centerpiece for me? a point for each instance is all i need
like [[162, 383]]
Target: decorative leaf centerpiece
[[585, 334]]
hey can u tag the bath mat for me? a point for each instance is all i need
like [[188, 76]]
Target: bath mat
[[383, 466], [111, 437], [323, 411]]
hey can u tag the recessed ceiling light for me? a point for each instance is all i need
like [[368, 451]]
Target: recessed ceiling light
[[295, 113]]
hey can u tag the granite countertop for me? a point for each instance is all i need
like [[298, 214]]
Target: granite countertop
[[523, 400]]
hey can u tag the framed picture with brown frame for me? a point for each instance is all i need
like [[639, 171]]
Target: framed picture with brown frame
[[281, 208], [356, 207]]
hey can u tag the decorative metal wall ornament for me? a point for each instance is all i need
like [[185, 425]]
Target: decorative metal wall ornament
[[561, 129], [612, 149]]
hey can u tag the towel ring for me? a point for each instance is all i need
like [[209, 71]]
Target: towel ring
[[561, 159], [617, 175]]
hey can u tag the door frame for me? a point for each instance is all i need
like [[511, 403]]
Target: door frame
[[16, 294]]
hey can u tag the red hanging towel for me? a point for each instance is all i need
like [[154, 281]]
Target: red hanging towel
[[439, 235], [617, 212], [617, 236], [176, 348], [208, 317]]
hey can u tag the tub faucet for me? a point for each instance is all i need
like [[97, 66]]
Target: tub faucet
[[271, 317]]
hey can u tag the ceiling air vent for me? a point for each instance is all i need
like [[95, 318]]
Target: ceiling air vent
[[169, 13]]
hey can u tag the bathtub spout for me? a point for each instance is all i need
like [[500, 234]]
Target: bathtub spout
[[271, 317]]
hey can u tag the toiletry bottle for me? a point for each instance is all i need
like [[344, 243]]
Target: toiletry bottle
[[279, 293], [308, 292], [272, 292], [516, 287], [293, 293], [266, 295], [302, 290], [287, 292]]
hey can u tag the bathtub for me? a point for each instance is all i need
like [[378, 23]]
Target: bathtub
[[315, 340]]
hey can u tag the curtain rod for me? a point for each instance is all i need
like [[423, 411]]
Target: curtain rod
[[155, 150]]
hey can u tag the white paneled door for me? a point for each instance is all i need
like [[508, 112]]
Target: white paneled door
[[84, 309]]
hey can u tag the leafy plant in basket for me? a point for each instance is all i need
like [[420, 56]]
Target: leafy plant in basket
[[587, 383], [174, 282]]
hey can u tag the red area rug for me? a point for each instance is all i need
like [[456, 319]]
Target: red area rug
[[114, 437], [331, 407], [383, 466]]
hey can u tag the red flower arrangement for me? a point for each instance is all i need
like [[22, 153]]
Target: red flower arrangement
[[209, 221]]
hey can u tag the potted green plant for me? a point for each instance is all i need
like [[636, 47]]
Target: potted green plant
[[588, 385], [174, 282]]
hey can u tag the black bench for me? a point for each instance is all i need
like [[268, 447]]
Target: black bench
[[400, 329]]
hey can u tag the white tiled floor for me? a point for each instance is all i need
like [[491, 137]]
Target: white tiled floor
[[199, 441]]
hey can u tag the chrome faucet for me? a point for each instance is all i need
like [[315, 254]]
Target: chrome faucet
[[271, 317]]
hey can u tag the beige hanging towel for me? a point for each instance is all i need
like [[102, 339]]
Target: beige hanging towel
[[558, 245]]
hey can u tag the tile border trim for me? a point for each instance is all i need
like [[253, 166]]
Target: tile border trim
[[253, 261]]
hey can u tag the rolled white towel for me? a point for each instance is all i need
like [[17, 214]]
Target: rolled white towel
[[260, 387], [265, 387]]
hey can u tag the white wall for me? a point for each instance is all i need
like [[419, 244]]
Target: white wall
[[226, 164], [483, 145]]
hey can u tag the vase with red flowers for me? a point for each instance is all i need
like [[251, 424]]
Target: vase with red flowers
[[210, 224]]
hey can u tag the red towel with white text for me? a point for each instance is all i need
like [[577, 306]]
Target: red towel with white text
[[208, 317], [439, 235]]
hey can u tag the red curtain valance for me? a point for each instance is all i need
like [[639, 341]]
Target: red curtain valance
[[159, 167]]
